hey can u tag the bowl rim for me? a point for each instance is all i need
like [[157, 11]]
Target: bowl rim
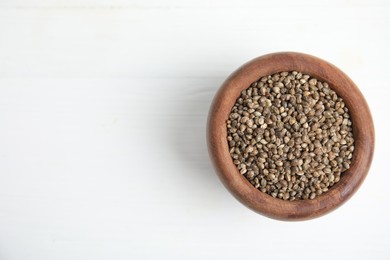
[[239, 186]]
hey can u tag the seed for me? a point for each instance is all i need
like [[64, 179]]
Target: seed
[[294, 162], [234, 115], [318, 151], [346, 165], [250, 149], [316, 174], [263, 141], [313, 82], [331, 156], [279, 163], [257, 113], [244, 119], [250, 174], [290, 135]]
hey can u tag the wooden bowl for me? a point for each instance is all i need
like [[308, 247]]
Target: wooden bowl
[[239, 186]]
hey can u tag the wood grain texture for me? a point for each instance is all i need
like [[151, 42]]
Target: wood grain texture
[[363, 130]]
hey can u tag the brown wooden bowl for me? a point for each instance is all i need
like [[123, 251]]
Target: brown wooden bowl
[[239, 186]]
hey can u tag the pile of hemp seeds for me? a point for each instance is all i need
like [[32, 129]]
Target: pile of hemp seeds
[[290, 135]]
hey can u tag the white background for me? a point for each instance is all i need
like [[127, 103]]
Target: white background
[[103, 107]]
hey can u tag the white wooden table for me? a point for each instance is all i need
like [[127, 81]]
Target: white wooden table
[[103, 107]]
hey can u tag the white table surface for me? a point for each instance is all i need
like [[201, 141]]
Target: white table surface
[[103, 107]]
